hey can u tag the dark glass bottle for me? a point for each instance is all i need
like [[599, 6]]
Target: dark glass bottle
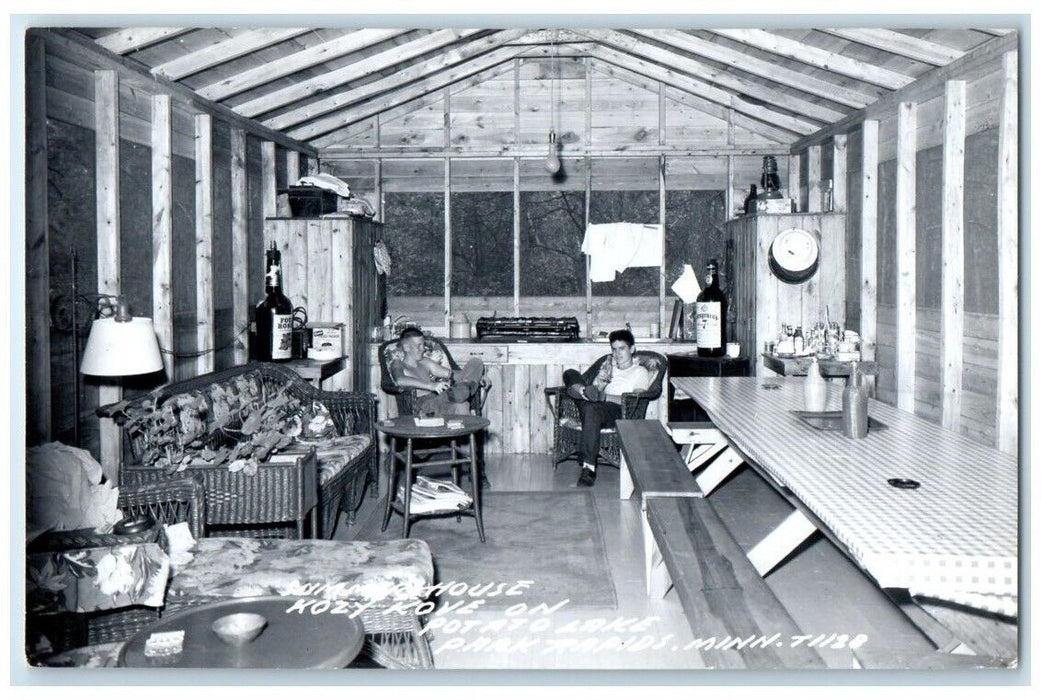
[[710, 316], [274, 315], [750, 201]]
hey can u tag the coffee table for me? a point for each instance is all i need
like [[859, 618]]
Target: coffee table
[[460, 456], [290, 640]]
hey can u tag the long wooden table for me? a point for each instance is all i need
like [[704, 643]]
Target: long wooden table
[[954, 538]]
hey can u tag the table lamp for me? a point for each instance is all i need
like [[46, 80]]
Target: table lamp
[[120, 345]]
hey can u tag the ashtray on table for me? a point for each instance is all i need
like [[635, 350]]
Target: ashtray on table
[[832, 420]]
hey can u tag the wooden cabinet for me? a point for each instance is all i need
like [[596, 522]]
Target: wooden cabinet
[[328, 269], [761, 302]]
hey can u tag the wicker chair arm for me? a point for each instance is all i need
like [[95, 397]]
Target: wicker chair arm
[[634, 403], [553, 394], [168, 501]]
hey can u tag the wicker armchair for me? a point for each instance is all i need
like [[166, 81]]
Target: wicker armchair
[[406, 396], [393, 638], [567, 423], [168, 502], [352, 413]]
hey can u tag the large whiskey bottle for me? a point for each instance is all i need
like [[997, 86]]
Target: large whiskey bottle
[[710, 316], [274, 315]]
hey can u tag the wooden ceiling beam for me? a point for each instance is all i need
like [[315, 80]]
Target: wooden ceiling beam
[[135, 38], [224, 51], [811, 55], [400, 79], [900, 44], [390, 83], [981, 60], [551, 36], [850, 97], [301, 60], [721, 77], [704, 90], [702, 105], [462, 72], [85, 51], [359, 69], [537, 151]]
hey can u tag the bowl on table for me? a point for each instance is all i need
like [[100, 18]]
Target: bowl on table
[[239, 628]]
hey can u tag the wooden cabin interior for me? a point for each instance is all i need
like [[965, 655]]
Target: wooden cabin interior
[[159, 162]]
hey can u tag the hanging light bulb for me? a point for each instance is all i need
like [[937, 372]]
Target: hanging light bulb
[[552, 159]]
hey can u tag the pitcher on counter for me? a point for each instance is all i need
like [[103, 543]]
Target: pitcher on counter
[[600, 403]]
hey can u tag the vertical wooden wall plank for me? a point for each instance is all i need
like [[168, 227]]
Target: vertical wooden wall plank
[[906, 315], [794, 177], [269, 198], [589, 279], [661, 219], [521, 426], [292, 167], [869, 240], [378, 194], [509, 407], [493, 409], [814, 191], [106, 152], [952, 276], [37, 249], [838, 175], [448, 243], [162, 227], [730, 197], [1008, 250], [322, 269], [349, 242], [204, 333], [310, 165], [516, 237], [339, 282], [239, 246]]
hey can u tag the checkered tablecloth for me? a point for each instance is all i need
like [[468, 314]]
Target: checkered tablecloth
[[954, 538]]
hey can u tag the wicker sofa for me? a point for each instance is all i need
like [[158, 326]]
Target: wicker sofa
[[260, 504]]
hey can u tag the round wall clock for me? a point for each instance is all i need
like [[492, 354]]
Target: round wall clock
[[794, 255]]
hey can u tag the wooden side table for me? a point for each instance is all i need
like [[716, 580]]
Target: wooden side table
[[405, 428]]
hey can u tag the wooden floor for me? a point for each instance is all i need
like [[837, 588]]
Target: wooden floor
[[821, 589]]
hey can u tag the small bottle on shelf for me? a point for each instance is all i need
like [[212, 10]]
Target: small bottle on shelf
[[751, 201], [710, 316]]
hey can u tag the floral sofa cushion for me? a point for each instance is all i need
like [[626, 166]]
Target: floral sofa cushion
[[235, 567], [99, 578], [334, 454]]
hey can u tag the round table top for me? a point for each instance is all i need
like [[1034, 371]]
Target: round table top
[[290, 640], [405, 426]]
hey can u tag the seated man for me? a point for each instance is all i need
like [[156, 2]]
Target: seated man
[[600, 403], [438, 386]]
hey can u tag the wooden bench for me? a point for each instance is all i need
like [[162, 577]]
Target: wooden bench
[[651, 465], [724, 598]]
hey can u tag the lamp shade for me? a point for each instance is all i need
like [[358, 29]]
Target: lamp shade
[[121, 348]]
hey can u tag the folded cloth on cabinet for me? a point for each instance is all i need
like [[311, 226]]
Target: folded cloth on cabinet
[[616, 247]]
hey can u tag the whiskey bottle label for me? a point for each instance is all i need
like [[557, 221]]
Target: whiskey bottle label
[[708, 321], [281, 336]]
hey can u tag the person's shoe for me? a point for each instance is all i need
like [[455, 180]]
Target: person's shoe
[[587, 477]]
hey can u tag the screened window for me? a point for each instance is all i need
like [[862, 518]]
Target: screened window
[[414, 232]]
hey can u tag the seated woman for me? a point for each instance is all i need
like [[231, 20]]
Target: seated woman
[[439, 387], [600, 403]]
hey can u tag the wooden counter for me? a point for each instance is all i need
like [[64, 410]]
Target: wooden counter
[[519, 372]]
